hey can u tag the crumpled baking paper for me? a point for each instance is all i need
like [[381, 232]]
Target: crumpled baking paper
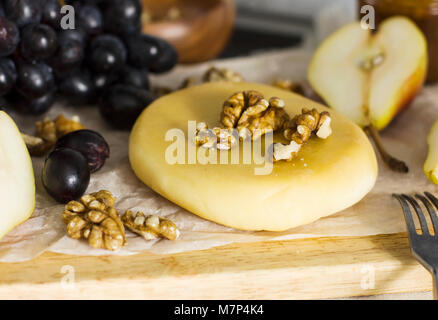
[[378, 213]]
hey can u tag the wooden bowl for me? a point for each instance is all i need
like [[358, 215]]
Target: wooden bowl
[[201, 32]]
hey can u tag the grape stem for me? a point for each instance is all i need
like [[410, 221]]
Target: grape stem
[[393, 163]]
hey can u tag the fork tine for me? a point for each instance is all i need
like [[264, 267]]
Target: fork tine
[[431, 211], [432, 198], [419, 212], [408, 215]]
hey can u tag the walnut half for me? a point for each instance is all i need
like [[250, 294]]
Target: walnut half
[[150, 227], [95, 219], [251, 114]]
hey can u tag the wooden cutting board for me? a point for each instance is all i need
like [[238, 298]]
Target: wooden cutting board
[[298, 269]]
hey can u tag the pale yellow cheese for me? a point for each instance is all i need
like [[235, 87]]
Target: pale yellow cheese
[[328, 175]]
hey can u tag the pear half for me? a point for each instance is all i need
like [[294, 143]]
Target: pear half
[[369, 77], [431, 164], [326, 177], [17, 182]]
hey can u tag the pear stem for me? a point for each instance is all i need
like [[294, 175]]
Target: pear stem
[[393, 163]]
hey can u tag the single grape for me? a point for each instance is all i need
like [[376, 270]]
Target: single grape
[[38, 42], [9, 37], [143, 50], [79, 2], [66, 175], [68, 35], [107, 54], [123, 16], [121, 105], [135, 77], [78, 88], [90, 144], [51, 14], [23, 12], [167, 59], [104, 80], [8, 75], [90, 19], [34, 107], [68, 57], [35, 80]]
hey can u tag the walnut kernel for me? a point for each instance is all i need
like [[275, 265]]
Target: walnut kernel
[[150, 227], [299, 130], [95, 219], [289, 85], [221, 74], [48, 132]]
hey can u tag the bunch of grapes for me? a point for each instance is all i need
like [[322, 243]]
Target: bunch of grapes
[[105, 59]]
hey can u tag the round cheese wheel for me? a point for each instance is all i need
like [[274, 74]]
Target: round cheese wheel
[[327, 176]]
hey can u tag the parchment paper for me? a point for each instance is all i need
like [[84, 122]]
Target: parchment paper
[[378, 213]]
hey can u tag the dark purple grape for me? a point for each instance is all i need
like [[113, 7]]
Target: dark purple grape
[[2, 10], [9, 37], [123, 16], [78, 88], [143, 50], [23, 12], [77, 4], [167, 58], [135, 77], [102, 3], [77, 34], [35, 107], [104, 80], [121, 105], [38, 42], [66, 175], [8, 75], [35, 80], [90, 144], [68, 57], [90, 19], [51, 14], [107, 54]]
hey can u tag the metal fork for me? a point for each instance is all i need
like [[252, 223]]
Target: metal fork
[[424, 247]]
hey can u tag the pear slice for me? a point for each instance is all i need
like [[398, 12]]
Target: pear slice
[[370, 77], [431, 164], [17, 182]]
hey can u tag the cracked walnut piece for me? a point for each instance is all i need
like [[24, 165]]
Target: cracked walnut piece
[[95, 219], [213, 74], [222, 139], [150, 227], [226, 75], [51, 131], [252, 115], [289, 85], [48, 132], [248, 114], [299, 130]]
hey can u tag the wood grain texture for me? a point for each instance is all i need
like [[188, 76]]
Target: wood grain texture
[[300, 269], [202, 32]]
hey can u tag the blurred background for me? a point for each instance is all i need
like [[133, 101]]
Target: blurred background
[[206, 29], [274, 24]]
